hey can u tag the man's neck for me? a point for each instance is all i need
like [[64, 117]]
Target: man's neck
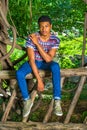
[[45, 37]]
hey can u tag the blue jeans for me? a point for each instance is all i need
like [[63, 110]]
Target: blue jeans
[[26, 69]]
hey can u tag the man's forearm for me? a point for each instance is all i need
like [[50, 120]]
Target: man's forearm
[[40, 84], [35, 70], [45, 56]]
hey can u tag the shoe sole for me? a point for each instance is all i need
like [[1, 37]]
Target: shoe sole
[[58, 114], [28, 111]]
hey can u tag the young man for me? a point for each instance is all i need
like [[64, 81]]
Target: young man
[[41, 49]]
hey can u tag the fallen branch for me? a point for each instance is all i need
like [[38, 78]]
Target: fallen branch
[[41, 126]]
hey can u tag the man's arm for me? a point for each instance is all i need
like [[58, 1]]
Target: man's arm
[[46, 56], [40, 85]]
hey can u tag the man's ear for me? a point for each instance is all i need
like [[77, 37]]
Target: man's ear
[[51, 26]]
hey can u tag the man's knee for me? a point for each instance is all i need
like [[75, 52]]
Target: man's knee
[[19, 73], [55, 66]]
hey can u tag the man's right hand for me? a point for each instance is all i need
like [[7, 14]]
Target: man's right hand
[[40, 86], [34, 38]]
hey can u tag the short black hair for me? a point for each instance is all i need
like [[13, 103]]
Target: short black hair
[[44, 18]]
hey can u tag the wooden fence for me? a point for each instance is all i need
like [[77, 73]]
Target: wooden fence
[[10, 75]]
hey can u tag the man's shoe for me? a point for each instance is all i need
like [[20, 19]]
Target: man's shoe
[[27, 107], [58, 109]]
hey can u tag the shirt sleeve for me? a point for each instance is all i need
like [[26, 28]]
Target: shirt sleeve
[[29, 43], [56, 43]]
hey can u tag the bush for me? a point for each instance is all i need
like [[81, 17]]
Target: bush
[[68, 50]]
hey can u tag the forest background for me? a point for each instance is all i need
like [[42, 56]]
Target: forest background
[[68, 23]]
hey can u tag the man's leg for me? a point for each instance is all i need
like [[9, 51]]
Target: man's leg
[[20, 75], [55, 69]]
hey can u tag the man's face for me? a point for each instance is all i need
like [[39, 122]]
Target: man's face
[[45, 28]]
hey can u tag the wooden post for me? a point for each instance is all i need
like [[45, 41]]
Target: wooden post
[[11, 101], [62, 81], [33, 95], [9, 106], [85, 1], [85, 120], [75, 99], [48, 114], [38, 102]]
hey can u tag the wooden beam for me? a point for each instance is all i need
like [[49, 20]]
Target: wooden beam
[[40, 126], [49, 111], [9, 106], [10, 74], [10, 102], [75, 99], [85, 120], [33, 95], [85, 1]]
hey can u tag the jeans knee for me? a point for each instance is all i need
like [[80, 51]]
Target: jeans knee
[[19, 73], [55, 66]]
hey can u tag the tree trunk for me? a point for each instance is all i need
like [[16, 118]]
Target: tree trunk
[[3, 31]]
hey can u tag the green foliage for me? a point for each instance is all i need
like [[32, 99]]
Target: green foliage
[[64, 14], [15, 117], [71, 47], [65, 62], [19, 12], [35, 116], [1, 100], [17, 53], [68, 51], [0, 66], [84, 115]]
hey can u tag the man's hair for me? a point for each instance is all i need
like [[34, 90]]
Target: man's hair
[[44, 18]]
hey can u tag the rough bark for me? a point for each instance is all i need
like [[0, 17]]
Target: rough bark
[[9, 106], [41, 126], [75, 99], [85, 1], [3, 30], [4, 26], [33, 95], [49, 112], [10, 74]]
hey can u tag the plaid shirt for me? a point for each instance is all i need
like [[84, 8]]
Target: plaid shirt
[[53, 42]]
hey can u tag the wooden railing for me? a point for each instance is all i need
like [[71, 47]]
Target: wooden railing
[[82, 72], [10, 74]]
